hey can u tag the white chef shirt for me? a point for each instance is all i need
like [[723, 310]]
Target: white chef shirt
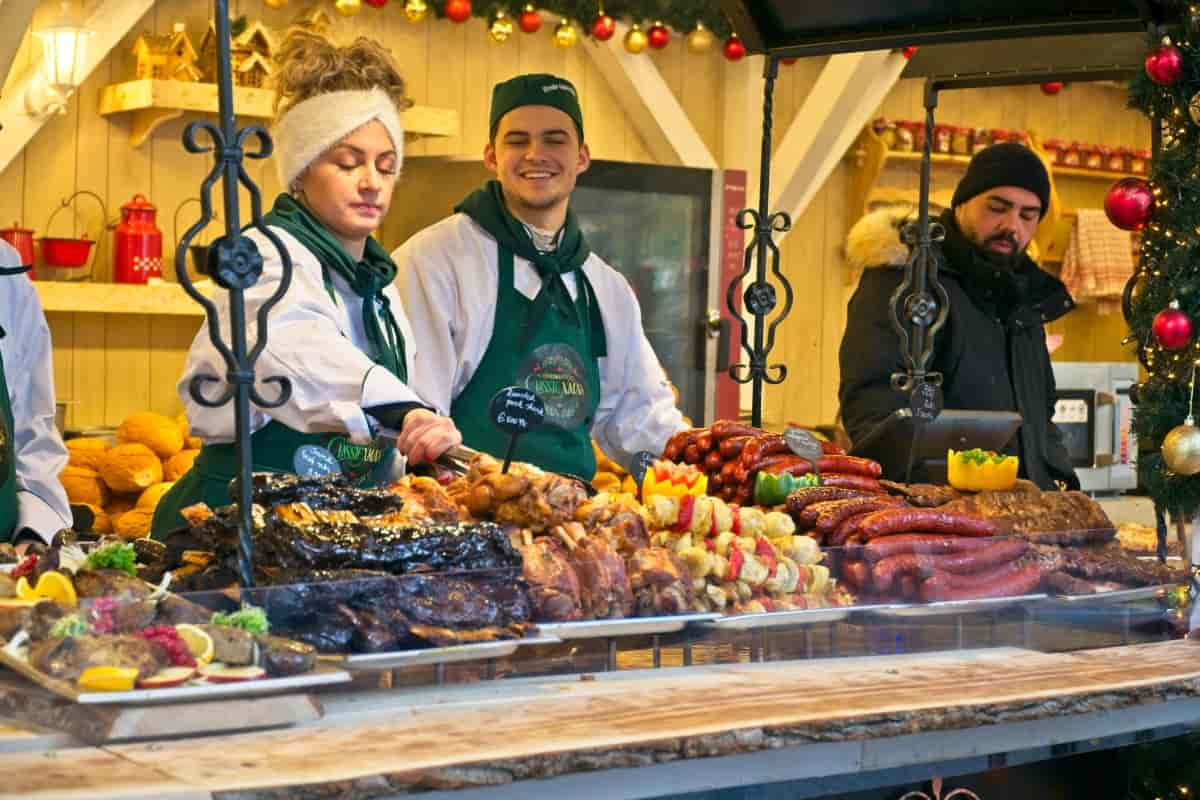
[[318, 344], [42, 505], [448, 277]]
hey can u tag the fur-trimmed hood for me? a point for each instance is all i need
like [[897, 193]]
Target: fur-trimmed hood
[[874, 241]]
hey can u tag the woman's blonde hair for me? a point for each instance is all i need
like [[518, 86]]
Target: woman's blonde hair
[[311, 65]]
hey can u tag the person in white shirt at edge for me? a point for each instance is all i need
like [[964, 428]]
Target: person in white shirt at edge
[[33, 504], [505, 292], [339, 334]]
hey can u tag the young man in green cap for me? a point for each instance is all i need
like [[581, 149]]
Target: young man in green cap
[[506, 292]]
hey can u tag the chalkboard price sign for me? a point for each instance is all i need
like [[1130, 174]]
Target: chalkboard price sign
[[516, 410], [926, 402], [805, 445]]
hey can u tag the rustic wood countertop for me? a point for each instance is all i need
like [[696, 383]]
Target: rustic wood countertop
[[497, 734]]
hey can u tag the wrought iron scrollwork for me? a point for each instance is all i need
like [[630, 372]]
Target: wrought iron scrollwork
[[235, 265], [761, 297]]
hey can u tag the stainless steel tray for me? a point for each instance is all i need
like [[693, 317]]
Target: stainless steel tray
[[1117, 596], [945, 607], [442, 655], [779, 619], [632, 626], [321, 675]]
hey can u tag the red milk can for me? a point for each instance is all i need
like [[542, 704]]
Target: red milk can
[[137, 254], [21, 239]]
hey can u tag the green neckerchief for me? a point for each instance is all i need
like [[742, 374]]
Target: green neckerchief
[[368, 278], [486, 206]]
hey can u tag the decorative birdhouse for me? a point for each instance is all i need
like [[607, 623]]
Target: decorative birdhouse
[[208, 49], [153, 54], [182, 62], [252, 71], [313, 19], [257, 39]]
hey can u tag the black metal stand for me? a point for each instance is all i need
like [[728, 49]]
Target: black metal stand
[[760, 296], [235, 264]]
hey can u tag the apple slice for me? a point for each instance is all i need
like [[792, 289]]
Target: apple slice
[[171, 676], [219, 673]]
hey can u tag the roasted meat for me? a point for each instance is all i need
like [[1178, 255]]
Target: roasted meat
[[660, 581], [66, 659], [231, 645], [1109, 565], [603, 585], [554, 585], [325, 492], [425, 503], [1064, 518], [923, 495], [36, 620], [110, 583], [525, 496], [282, 657], [173, 610]]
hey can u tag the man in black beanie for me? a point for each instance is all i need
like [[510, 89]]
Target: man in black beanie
[[992, 351]]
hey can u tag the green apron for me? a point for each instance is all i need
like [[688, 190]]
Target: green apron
[[276, 448], [551, 356], [8, 463]]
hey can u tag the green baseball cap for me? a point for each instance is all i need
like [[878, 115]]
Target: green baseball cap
[[536, 90]]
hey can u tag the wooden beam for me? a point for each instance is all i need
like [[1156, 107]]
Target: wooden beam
[[110, 22], [15, 16], [650, 104], [847, 92]]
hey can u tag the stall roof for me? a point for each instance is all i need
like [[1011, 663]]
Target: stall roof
[[787, 28]]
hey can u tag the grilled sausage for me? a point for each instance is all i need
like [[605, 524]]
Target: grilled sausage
[[1021, 582], [828, 518], [929, 520], [928, 543], [713, 462], [731, 448], [850, 465], [722, 429], [863, 484], [805, 496]]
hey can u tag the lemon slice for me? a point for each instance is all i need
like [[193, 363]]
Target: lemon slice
[[57, 587], [24, 590], [108, 679], [199, 643]]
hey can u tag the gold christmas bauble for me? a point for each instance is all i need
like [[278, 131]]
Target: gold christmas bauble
[[700, 40], [1181, 449], [636, 40], [276, 3], [415, 10], [500, 28], [347, 8], [565, 34]]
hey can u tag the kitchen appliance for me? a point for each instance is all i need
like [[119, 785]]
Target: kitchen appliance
[[22, 240], [671, 231], [137, 251], [1093, 411]]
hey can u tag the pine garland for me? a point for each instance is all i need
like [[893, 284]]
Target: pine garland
[[679, 15], [1168, 269]]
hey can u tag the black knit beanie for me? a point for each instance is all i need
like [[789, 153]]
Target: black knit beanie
[[1004, 164]]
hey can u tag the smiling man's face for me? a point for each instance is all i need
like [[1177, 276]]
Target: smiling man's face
[[1001, 221], [536, 155]]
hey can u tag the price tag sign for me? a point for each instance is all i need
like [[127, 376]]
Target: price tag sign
[[642, 461], [805, 445], [926, 402], [314, 461], [516, 410]]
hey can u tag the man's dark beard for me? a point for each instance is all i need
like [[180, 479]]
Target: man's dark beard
[[1005, 261]]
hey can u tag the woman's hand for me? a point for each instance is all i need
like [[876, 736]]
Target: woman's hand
[[426, 435]]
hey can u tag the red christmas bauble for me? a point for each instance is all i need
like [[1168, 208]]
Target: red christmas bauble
[[734, 49], [909, 52], [658, 36], [1172, 328], [458, 10], [376, 3], [603, 27], [1052, 88], [1164, 65], [529, 21], [1129, 203]]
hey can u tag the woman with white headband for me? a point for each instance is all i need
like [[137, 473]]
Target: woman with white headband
[[339, 334]]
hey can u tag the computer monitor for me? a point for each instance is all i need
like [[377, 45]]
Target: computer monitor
[[890, 441]]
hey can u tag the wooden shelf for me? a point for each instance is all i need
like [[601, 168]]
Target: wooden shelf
[[153, 102], [1098, 174], [935, 158], [162, 299]]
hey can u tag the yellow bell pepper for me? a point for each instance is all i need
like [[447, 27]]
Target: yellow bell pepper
[[673, 480], [981, 471]]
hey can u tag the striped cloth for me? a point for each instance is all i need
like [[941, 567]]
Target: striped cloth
[[1098, 261]]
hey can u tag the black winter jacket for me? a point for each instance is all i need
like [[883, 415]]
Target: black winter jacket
[[991, 352]]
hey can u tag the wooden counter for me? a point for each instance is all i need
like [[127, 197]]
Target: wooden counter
[[497, 734]]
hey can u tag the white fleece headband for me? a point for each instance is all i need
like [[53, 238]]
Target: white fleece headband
[[313, 126]]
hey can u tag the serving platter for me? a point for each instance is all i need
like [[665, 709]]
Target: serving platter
[[632, 626], [948, 607], [779, 619], [1116, 596], [476, 651], [322, 674]]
